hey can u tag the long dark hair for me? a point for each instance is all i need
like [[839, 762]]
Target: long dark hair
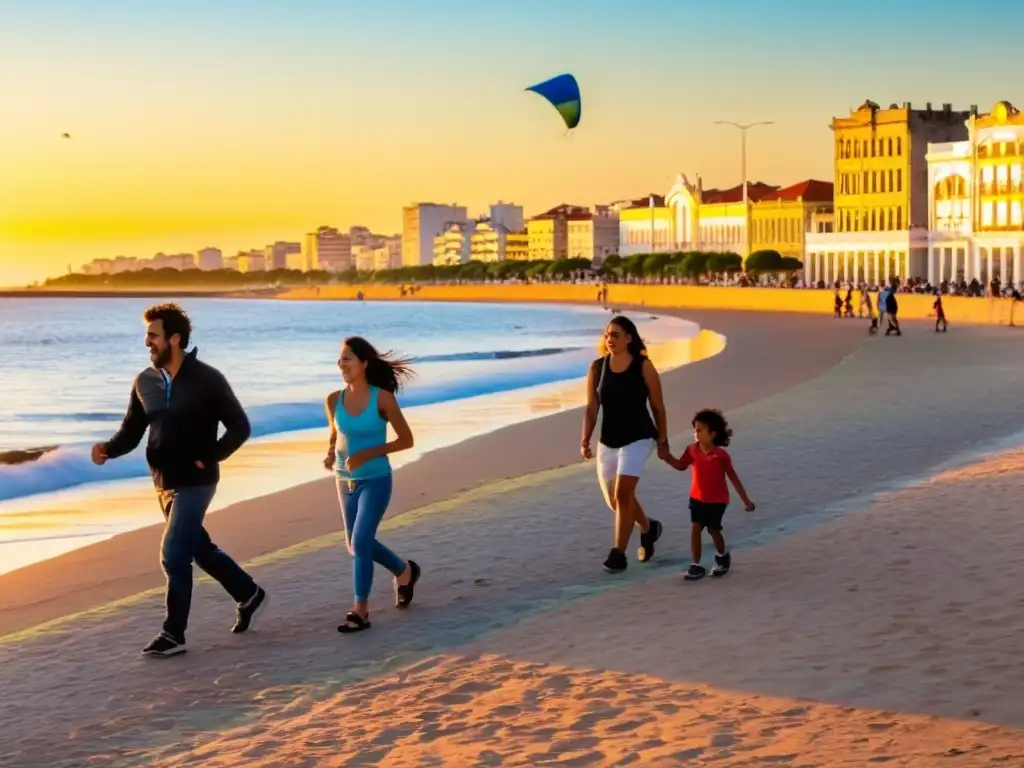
[[636, 346], [385, 371]]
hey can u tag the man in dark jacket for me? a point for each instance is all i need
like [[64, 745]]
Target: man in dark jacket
[[183, 402]]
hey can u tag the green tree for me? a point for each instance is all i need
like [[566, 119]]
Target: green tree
[[695, 263], [764, 261], [724, 262], [656, 264]]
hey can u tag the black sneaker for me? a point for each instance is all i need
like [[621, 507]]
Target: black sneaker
[[616, 562], [245, 613], [164, 645], [647, 540], [695, 572], [722, 564]]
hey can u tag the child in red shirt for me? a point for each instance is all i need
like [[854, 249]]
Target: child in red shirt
[[709, 492]]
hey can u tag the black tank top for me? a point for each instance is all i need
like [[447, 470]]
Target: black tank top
[[623, 399]]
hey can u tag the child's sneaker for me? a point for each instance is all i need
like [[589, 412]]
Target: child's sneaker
[[695, 572], [722, 564]]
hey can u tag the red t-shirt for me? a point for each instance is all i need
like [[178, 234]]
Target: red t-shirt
[[708, 471]]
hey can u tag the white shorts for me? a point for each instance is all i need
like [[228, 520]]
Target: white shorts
[[628, 460]]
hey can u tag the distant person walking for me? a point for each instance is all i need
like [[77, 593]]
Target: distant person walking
[[183, 402], [940, 314], [892, 309], [710, 466], [358, 416], [621, 383]]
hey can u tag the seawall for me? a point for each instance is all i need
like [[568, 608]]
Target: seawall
[[959, 309]]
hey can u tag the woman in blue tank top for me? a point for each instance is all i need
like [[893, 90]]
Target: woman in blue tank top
[[358, 416]]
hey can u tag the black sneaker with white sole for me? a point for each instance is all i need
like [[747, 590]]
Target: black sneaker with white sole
[[164, 645], [245, 613], [722, 564], [695, 572], [648, 540], [616, 561]]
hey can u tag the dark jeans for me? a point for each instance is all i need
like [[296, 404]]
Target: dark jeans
[[186, 540]]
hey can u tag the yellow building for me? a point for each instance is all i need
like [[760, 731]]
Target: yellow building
[[881, 193], [976, 201], [251, 261], [645, 226], [549, 233], [517, 246], [780, 220], [712, 219]]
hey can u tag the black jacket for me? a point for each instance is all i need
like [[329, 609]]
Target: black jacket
[[183, 423]]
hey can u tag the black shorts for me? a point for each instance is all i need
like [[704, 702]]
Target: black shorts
[[707, 515]]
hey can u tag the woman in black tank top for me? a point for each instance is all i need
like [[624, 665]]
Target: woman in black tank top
[[620, 385]]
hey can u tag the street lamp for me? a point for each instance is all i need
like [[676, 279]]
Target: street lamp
[[743, 128]]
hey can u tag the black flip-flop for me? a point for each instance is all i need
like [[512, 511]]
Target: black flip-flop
[[647, 541], [355, 623], [404, 593]]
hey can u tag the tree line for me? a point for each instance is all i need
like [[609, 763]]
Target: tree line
[[683, 264]]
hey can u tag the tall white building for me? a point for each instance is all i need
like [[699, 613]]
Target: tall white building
[[210, 258], [508, 215], [327, 249], [276, 255], [421, 224], [389, 254]]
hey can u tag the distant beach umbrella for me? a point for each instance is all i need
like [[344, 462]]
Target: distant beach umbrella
[[563, 93]]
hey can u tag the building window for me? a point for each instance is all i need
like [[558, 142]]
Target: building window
[[873, 221], [890, 175], [847, 154], [899, 215], [899, 145], [1001, 214], [865, 147], [865, 182], [899, 178], [856, 149], [890, 150], [986, 213], [1016, 217], [873, 145]]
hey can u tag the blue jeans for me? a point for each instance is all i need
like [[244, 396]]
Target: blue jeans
[[186, 540], [363, 504]]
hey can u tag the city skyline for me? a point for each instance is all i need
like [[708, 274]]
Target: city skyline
[[192, 125]]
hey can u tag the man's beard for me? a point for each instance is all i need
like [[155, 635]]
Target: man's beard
[[160, 357]]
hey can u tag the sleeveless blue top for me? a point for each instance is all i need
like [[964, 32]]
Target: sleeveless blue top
[[366, 430]]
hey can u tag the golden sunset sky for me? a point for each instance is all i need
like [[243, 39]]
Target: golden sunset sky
[[235, 124]]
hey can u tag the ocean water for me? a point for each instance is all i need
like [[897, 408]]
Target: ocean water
[[66, 368]]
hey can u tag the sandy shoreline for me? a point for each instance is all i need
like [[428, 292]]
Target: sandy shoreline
[[126, 565], [864, 622]]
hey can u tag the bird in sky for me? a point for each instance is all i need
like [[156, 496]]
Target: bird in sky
[[65, 135]]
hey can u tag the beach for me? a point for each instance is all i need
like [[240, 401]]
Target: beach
[[872, 616]]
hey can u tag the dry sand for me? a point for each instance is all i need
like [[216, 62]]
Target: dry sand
[[866, 621]]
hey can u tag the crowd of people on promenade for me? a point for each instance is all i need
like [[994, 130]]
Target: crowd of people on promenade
[[183, 402]]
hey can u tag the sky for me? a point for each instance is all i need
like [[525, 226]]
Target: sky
[[235, 124]]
